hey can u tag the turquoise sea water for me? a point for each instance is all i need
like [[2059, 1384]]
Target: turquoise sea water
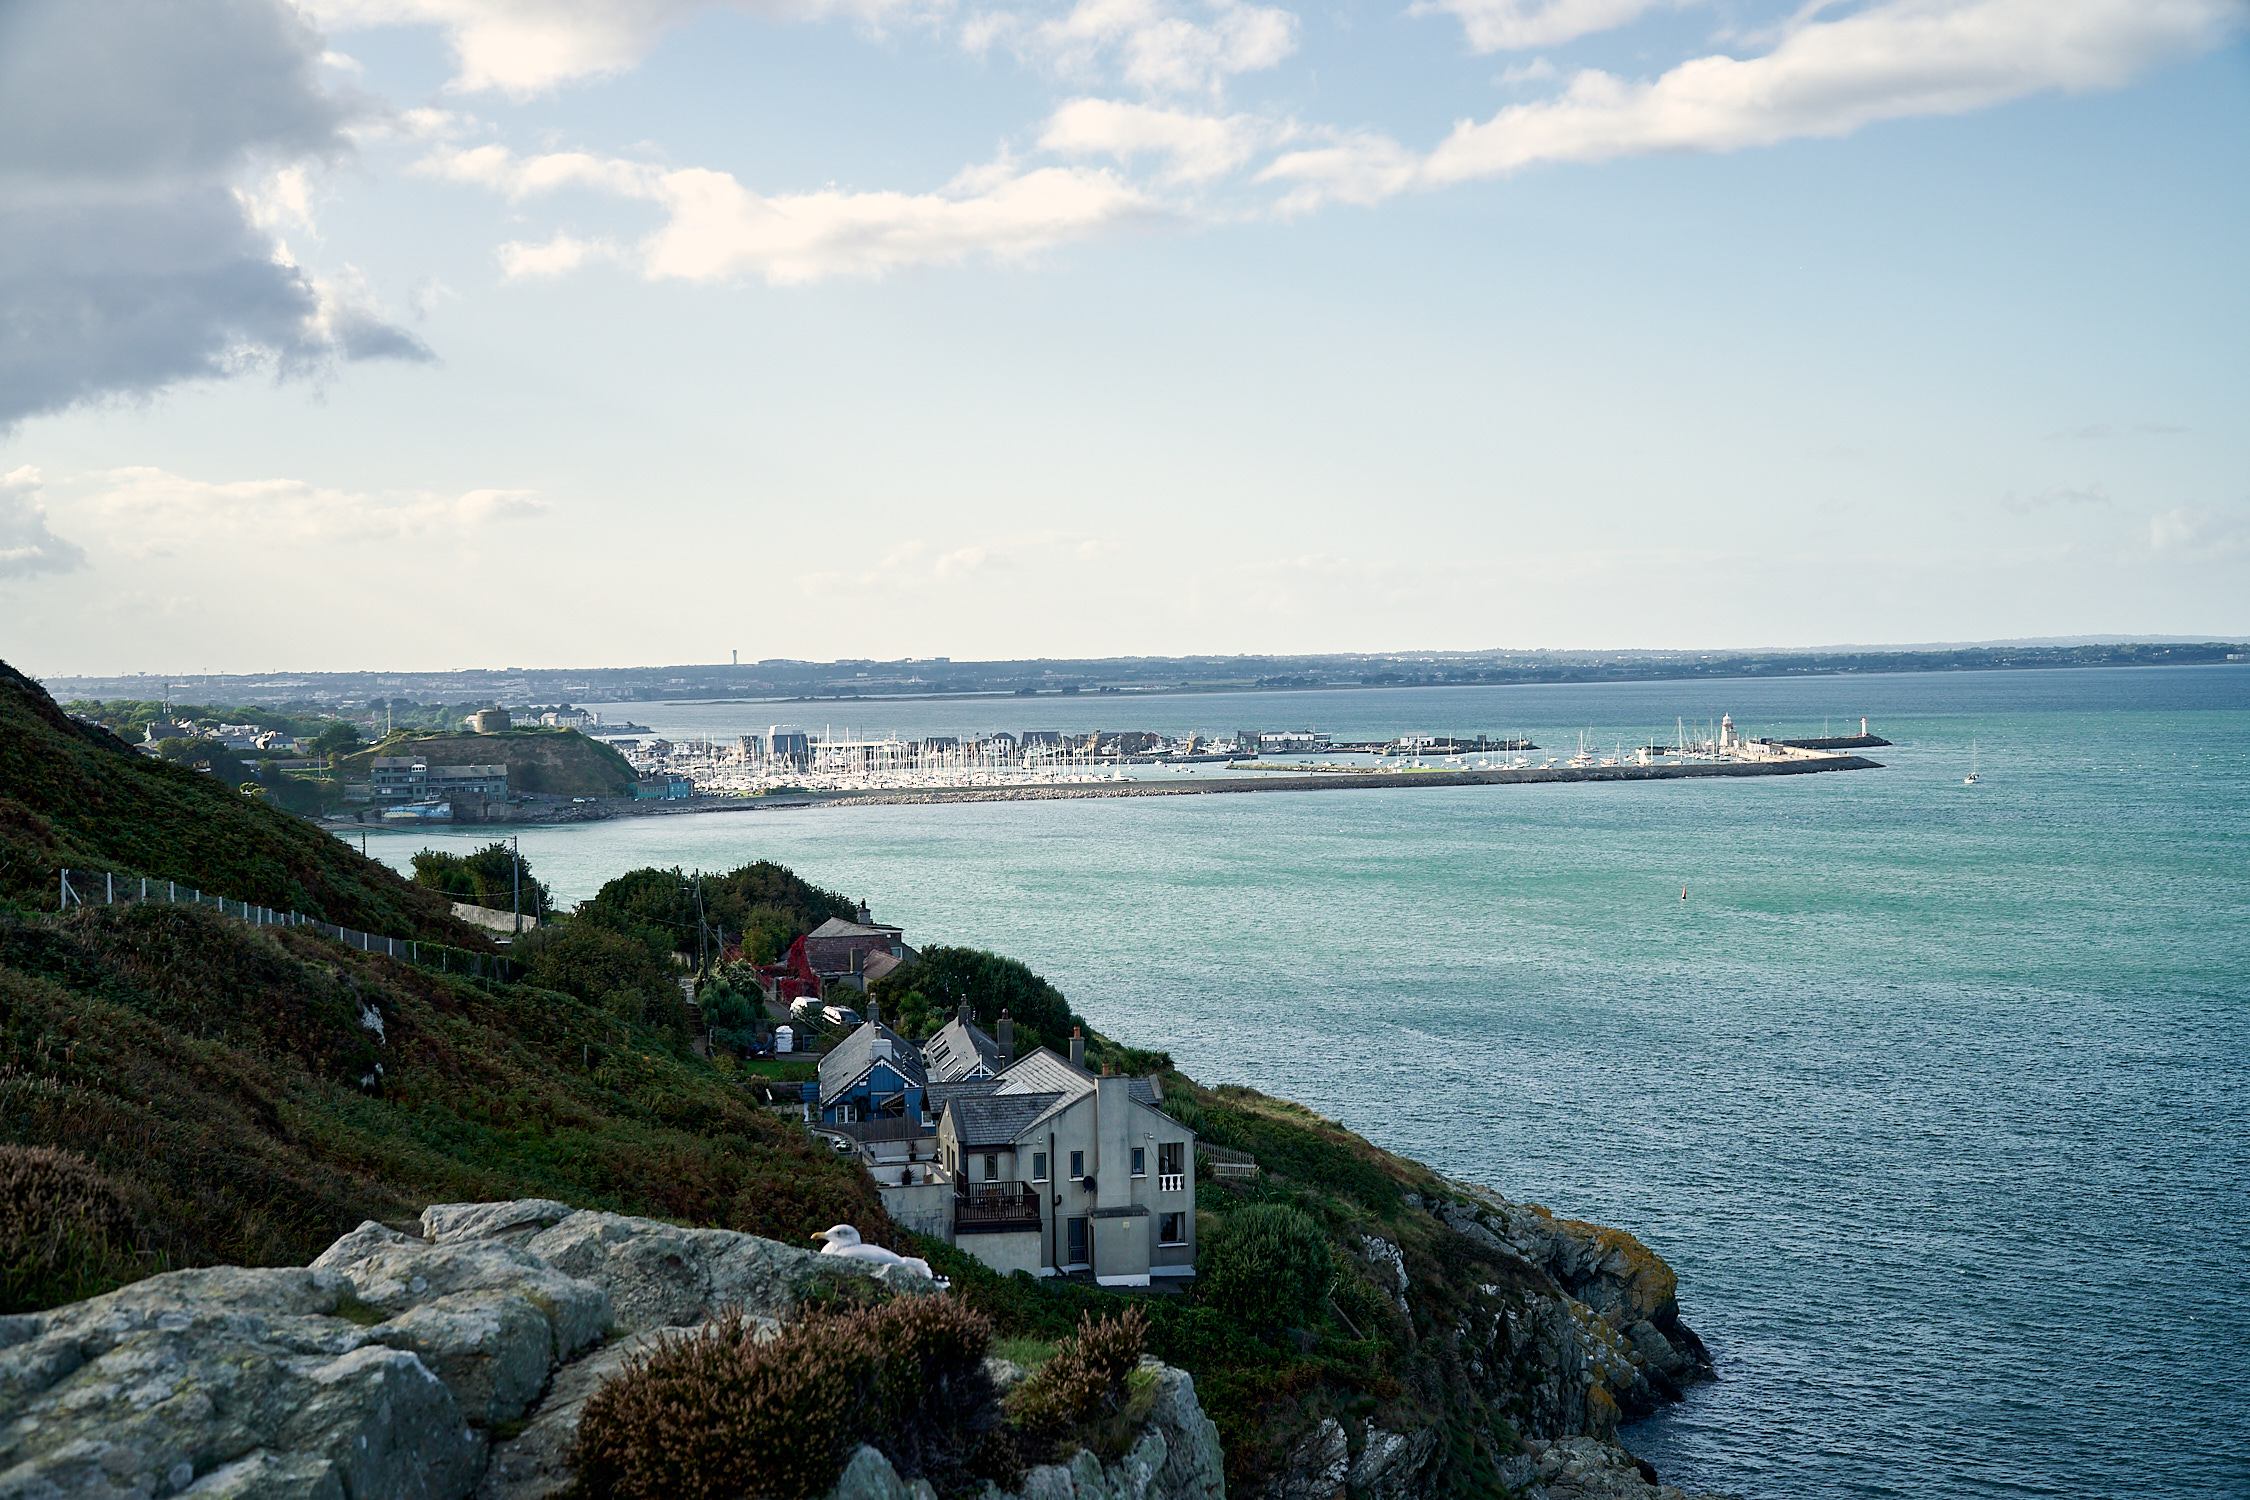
[[1934, 1095]]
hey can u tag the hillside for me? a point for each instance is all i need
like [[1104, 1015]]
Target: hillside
[[549, 762], [75, 796]]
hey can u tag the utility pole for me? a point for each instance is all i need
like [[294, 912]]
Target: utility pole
[[515, 877]]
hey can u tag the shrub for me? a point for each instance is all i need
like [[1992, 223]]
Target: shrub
[[721, 1416], [1269, 1265], [1084, 1381], [66, 1231]]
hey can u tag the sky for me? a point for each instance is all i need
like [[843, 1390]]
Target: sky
[[424, 334]]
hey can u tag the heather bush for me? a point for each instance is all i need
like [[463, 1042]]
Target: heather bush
[[66, 1231], [1269, 1265], [1083, 1383], [721, 1416]]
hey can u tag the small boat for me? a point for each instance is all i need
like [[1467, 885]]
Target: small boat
[[1972, 778]]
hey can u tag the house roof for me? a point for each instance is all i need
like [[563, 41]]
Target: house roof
[[837, 927], [997, 1119], [1048, 1075], [877, 965], [938, 1093], [959, 1049], [851, 1059]]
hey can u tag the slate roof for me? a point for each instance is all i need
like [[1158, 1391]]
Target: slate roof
[[997, 1119], [837, 927], [959, 1049], [851, 1059]]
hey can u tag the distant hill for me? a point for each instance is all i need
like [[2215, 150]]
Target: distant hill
[[552, 762], [74, 795]]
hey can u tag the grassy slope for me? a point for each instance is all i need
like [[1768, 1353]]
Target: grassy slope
[[554, 762], [75, 796], [233, 1079]]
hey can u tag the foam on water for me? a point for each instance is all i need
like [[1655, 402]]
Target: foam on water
[[1933, 1094]]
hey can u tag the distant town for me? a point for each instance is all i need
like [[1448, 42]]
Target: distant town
[[847, 680]]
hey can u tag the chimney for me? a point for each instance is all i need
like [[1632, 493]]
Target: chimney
[[963, 1015], [874, 1011], [866, 916], [1077, 1047], [1007, 1039]]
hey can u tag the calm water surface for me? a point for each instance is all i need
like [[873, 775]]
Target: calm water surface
[[1935, 1095]]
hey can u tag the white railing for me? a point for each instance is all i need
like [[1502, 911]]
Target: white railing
[[1171, 1182]]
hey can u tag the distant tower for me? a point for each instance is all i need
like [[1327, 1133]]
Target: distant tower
[[1863, 729], [1726, 731]]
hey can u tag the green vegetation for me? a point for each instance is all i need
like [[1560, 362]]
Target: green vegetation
[[923, 995], [759, 908], [1270, 1264], [540, 761], [613, 963], [66, 1231], [493, 876], [260, 1091], [77, 797]]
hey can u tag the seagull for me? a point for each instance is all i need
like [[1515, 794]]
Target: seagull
[[844, 1240]]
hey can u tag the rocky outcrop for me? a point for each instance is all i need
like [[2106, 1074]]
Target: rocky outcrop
[[387, 1368], [1587, 1468], [435, 1366], [1176, 1457]]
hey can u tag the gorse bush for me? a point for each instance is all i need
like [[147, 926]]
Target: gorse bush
[[1269, 1265], [66, 1231], [721, 1416]]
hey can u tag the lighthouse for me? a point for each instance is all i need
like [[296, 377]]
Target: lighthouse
[[1726, 732]]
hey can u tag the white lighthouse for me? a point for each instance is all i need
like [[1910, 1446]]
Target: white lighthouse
[[1726, 732]]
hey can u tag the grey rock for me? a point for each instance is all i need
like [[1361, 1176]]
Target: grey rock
[[1316, 1468], [389, 1425], [1389, 1465], [1005, 1374], [511, 1223], [360, 1244], [662, 1276], [397, 1278], [868, 1475], [268, 1476], [1649, 1341], [491, 1348], [536, 1462]]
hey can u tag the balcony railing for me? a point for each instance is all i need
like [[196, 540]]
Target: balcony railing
[[1170, 1182], [995, 1206]]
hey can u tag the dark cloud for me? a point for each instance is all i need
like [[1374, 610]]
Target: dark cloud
[[128, 260]]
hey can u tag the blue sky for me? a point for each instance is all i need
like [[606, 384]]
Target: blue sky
[[429, 333]]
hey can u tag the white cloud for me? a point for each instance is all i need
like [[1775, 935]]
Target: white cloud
[[2197, 531], [1824, 78], [916, 568], [1196, 148], [27, 546], [147, 512], [1361, 168], [717, 229], [524, 47], [1512, 25], [1157, 47], [1829, 78]]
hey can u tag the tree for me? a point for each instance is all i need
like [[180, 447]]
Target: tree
[[1268, 1264], [926, 993], [484, 878], [339, 738], [609, 960]]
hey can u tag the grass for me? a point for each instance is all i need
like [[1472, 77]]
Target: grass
[[1030, 1353]]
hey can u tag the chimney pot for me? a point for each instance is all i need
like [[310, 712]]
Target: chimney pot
[[1077, 1047]]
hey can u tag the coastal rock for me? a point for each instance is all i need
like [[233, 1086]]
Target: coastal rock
[[510, 1223], [535, 1463], [1316, 1468], [1586, 1468], [1391, 1464], [661, 1276]]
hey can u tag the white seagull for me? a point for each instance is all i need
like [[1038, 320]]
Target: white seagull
[[844, 1240]]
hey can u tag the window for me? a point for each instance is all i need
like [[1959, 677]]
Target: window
[[991, 1169], [1038, 1166], [1077, 1165], [846, 1114], [1171, 1158], [1171, 1229], [1078, 1256], [1140, 1161]]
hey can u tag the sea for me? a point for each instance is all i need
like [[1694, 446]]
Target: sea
[[1933, 1092]]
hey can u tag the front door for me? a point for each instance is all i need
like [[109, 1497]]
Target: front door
[[1078, 1255]]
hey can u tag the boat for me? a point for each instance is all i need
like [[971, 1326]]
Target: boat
[[1972, 778]]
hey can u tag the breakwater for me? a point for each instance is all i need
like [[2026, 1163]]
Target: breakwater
[[1354, 781], [1838, 742]]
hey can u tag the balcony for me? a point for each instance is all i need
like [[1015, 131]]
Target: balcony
[[1171, 1182], [995, 1208]]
